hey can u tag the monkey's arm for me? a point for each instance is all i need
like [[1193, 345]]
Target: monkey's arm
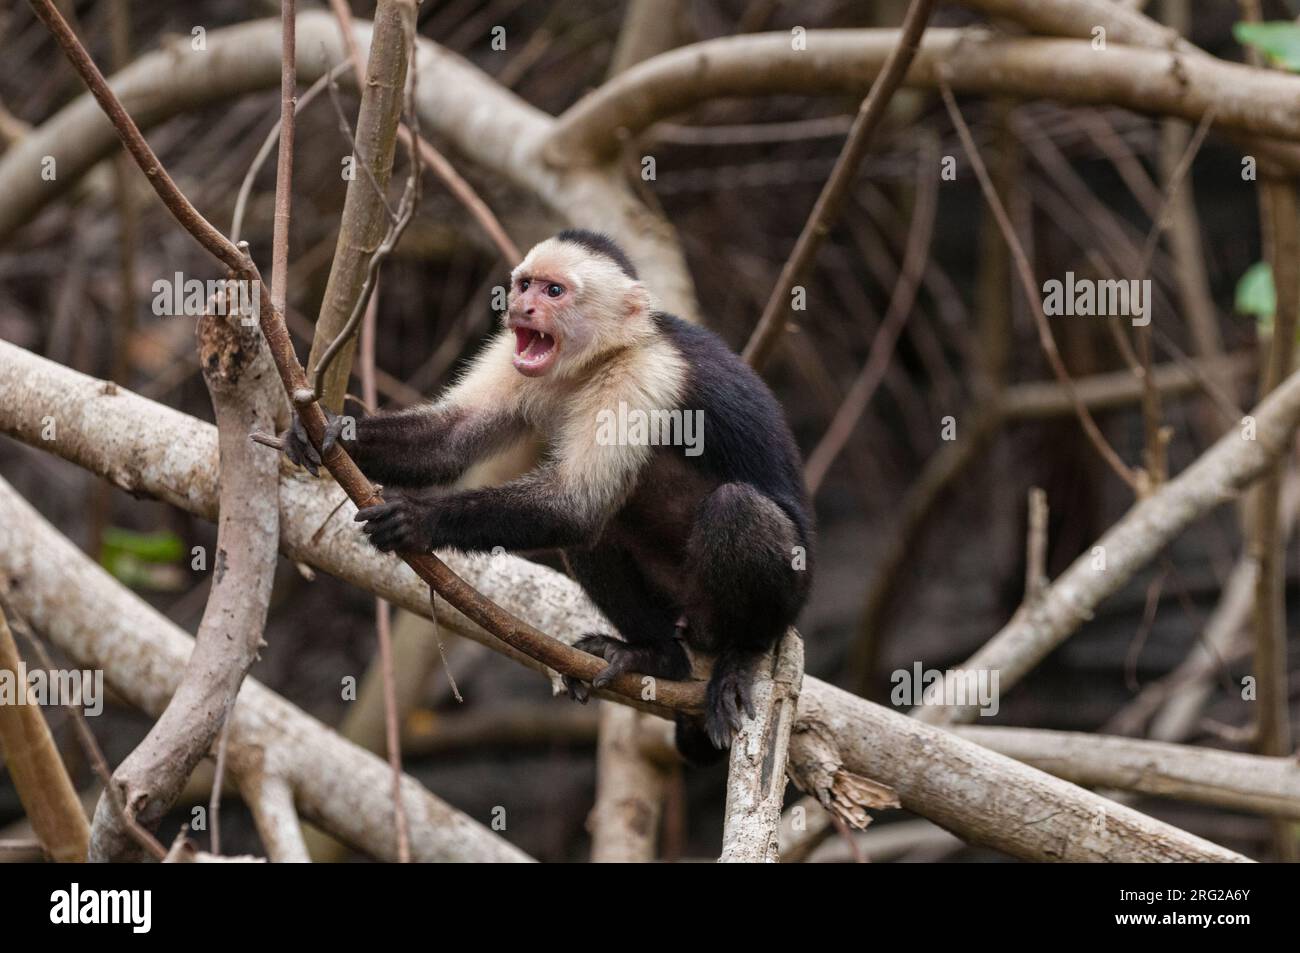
[[532, 512], [565, 502], [427, 446], [430, 445]]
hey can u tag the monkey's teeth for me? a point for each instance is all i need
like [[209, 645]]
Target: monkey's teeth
[[537, 346]]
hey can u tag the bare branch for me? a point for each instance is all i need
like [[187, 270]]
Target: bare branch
[[1227, 779], [772, 324], [32, 759], [757, 779]]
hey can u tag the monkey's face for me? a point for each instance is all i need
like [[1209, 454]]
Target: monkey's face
[[538, 317], [568, 307]]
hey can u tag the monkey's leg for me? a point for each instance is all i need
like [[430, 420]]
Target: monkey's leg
[[745, 594], [644, 617]]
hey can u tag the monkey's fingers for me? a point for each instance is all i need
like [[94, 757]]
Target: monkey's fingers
[[722, 723], [299, 449], [386, 536], [378, 512], [333, 427], [293, 450]]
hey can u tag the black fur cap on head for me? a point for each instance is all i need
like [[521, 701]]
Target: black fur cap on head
[[601, 245]]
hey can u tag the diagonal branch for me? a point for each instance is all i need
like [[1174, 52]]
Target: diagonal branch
[[772, 324]]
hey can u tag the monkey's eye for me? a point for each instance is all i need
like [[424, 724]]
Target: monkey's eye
[[555, 290], [523, 284]]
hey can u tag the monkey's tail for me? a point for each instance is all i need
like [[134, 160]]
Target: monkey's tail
[[693, 743]]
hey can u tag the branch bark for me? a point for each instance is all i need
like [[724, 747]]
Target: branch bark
[[1226, 779], [365, 215], [757, 779], [241, 380], [624, 821]]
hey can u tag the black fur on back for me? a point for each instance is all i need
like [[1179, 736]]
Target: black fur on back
[[601, 245], [746, 437]]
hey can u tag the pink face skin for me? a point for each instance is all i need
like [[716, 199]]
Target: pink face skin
[[536, 314]]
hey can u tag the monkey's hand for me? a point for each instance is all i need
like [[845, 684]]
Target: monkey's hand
[[297, 445], [402, 523]]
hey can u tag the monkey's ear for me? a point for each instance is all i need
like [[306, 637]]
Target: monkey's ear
[[636, 299]]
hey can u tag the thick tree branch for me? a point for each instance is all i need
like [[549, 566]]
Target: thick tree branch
[[241, 380], [1227, 779], [842, 62], [365, 222]]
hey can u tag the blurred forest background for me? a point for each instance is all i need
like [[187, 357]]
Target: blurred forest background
[[901, 578]]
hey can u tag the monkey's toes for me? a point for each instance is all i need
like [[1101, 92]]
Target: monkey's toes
[[596, 644], [620, 656], [730, 693], [298, 448], [578, 690]]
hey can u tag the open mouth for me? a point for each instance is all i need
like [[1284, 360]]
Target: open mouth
[[534, 351]]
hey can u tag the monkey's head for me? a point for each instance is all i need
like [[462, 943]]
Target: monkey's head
[[573, 299]]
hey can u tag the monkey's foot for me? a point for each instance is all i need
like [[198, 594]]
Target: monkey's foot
[[730, 691], [665, 661]]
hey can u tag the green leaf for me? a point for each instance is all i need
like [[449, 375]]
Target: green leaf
[[1255, 293], [162, 546], [1279, 40]]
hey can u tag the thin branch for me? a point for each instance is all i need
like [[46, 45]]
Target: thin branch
[[882, 345], [772, 324], [284, 160], [269, 143], [1025, 272], [384, 613], [456, 184]]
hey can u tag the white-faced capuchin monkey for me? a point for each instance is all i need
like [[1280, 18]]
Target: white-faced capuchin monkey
[[706, 544]]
